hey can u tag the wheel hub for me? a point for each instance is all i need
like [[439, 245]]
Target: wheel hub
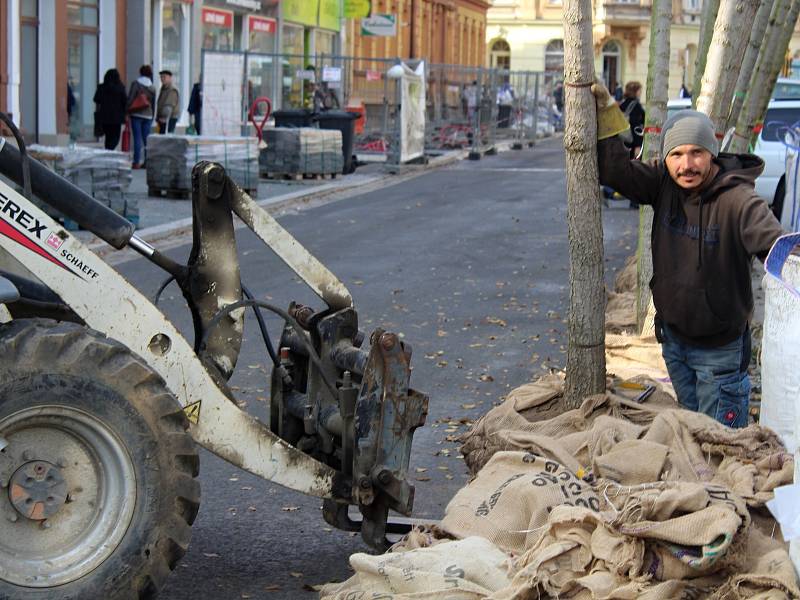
[[37, 490]]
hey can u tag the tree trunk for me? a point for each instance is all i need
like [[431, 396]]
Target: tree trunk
[[749, 61], [779, 34], [655, 113], [725, 58], [586, 368], [707, 19]]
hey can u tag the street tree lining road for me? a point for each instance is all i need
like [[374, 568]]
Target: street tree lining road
[[469, 263]]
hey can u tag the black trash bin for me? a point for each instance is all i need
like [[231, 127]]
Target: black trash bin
[[346, 123], [294, 117]]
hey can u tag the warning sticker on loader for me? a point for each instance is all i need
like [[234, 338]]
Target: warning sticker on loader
[[192, 412]]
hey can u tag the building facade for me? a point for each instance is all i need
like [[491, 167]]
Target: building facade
[[53, 53], [438, 31], [529, 35]]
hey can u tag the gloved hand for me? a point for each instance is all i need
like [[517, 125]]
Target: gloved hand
[[610, 119], [601, 95]]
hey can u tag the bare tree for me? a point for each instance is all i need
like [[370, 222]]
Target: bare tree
[[707, 19], [768, 66], [655, 113], [586, 347], [749, 61], [728, 44]]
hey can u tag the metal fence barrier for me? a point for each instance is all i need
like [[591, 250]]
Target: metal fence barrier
[[470, 108]]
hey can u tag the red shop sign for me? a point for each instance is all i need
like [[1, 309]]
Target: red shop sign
[[218, 18], [262, 24]]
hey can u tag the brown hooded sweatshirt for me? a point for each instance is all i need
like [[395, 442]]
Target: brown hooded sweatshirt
[[703, 241]]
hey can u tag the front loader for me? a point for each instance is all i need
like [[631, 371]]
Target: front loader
[[103, 400]]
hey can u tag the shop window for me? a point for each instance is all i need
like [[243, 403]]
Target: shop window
[[217, 29], [293, 49], [82, 66], [171, 38], [324, 43], [82, 13]]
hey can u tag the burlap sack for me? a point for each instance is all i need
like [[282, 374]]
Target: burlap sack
[[620, 312], [564, 438], [468, 569], [510, 499], [767, 572], [628, 355], [625, 281]]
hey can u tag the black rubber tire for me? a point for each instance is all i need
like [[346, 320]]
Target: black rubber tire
[[45, 362], [777, 202]]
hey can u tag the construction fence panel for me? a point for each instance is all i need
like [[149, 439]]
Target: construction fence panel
[[469, 108]]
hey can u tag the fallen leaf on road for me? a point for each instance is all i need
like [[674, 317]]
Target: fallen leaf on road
[[486, 377], [272, 587], [496, 321], [468, 406], [290, 508], [295, 574], [210, 554], [423, 478], [441, 333], [420, 469]]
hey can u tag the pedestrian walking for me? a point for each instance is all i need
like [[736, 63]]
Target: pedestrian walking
[[470, 98], [505, 101], [168, 105], [619, 95], [195, 108], [111, 101], [141, 99], [708, 223], [633, 110]]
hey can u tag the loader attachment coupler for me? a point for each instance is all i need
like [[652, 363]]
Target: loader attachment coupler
[[366, 431]]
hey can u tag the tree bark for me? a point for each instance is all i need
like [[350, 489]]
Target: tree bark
[[655, 113], [749, 61], [586, 346], [707, 19], [779, 34], [724, 59]]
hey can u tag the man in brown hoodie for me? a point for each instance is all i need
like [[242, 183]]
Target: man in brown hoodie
[[708, 223]]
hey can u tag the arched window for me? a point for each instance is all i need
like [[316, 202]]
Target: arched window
[[612, 58], [554, 56], [501, 55]]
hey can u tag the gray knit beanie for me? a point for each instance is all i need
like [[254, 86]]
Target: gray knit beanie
[[688, 127]]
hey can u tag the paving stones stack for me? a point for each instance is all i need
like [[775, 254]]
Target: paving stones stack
[[103, 174], [298, 151], [170, 159]]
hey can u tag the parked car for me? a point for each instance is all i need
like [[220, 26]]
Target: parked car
[[781, 114]]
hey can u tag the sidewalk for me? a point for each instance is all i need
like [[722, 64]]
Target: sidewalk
[[161, 218]]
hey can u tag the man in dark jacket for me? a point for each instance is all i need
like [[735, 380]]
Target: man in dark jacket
[[708, 223]]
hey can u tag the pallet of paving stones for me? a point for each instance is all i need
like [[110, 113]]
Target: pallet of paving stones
[[103, 174], [298, 152], [171, 158]]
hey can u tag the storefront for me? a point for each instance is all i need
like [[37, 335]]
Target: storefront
[[310, 31]]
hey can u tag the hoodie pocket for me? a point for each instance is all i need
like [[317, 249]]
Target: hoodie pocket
[[687, 308]]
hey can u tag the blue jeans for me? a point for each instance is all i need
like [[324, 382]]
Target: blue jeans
[[713, 381], [141, 129]]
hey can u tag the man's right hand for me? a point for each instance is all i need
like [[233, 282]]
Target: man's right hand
[[601, 95]]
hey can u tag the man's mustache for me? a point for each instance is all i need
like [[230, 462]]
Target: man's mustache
[[688, 172]]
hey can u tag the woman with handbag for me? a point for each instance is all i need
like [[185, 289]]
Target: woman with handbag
[[111, 102], [141, 98]]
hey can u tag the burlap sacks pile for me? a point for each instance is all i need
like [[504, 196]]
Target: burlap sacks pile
[[621, 303], [614, 500]]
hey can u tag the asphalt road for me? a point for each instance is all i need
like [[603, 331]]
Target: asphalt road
[[470, 264]]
